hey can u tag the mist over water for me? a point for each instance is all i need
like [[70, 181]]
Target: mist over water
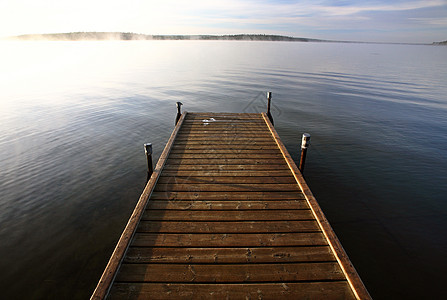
[[74, 117]]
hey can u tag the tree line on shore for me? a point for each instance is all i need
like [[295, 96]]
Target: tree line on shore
[[130, 36]]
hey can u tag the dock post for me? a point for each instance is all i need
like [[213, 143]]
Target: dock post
[[148, 151], [305, 141], [269, 100], [179, 113]]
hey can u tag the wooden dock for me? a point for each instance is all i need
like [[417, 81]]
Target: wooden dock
[[227, 214]]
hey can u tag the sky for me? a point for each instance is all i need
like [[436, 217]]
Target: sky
[[413, 21]]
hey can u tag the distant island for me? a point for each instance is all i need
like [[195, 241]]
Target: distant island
[[129, 36], [444, 43]]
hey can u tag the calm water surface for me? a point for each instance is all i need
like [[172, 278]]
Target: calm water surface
[[74, 117]]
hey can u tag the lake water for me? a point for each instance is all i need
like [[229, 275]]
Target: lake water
[[74, 117]]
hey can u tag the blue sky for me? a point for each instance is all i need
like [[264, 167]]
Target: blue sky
[[371, 20]]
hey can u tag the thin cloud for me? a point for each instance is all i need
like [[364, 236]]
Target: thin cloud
[[311, 18], [351, 10], [431, 21], [255, 12]]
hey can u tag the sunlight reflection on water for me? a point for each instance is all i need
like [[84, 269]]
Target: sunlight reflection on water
[[74, 117]]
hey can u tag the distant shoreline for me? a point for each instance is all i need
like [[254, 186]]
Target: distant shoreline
[[129, 36]]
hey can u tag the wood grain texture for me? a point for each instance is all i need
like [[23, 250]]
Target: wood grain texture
[[226, 161], [227, 227], [227, 196], [225, 151], [189, 204], [229, 255], [230, 216], [223, 167], [334, 290], [234, 148], [229, 239], [229, 173], [230, 273], [226, 179], [230, 155], [225, 187]]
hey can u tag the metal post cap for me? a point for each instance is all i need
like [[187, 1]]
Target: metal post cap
[[269, 95], [305, 141], [148, 148]]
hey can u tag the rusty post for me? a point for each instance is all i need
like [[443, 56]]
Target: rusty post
[[305, 142], [269, 100], [148, 151], [179, 112]]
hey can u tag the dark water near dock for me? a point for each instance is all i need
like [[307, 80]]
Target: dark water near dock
[[74, 117]]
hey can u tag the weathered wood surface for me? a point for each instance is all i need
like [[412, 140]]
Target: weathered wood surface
[[286, 290], [229, 255], [231, 217]]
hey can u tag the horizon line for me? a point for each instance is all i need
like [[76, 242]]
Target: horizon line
[[291, 38]]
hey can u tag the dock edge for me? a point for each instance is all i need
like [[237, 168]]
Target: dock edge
[[105, 283], [354, 280]]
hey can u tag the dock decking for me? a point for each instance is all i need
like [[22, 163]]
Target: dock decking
[[227, 214]]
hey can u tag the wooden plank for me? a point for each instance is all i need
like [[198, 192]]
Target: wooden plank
[[229, 239], [226, 122], [223, 167], [229, 215], [217, 119], [226, 133], [241, 127], [219, 144], [227, 196], [225, 180], [352, 276], [226, 156], [291, 290], [219, 135], [111, 269], [225, 161], [225, 187], [224, 146], [260, 132], [221, 113], [235, 141], [226, 205], [221, 116], [238, 123], [224, 151], [227, 227], [227, 138], [223, 131], [229, 255], [234, 173], [242, 273]]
